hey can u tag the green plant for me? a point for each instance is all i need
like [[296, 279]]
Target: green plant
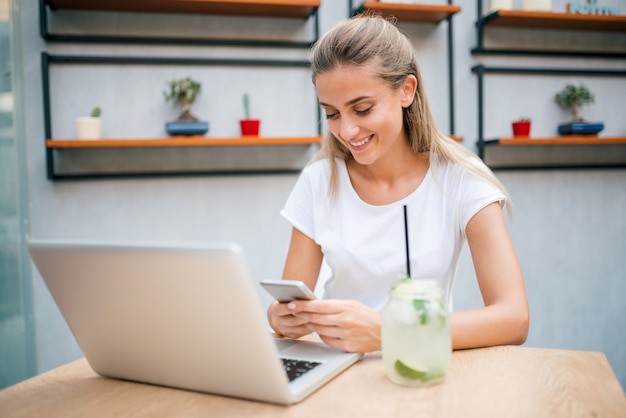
[[573, 98], [96, 112], [184, 92], [246, 106]]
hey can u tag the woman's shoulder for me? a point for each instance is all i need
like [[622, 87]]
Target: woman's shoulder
[[443, 169], [456, 176]]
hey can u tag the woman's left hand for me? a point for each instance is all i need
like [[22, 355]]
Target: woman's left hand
[[344, 324]]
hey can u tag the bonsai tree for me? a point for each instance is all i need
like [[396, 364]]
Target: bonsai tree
[[184, 92], [573, 98]]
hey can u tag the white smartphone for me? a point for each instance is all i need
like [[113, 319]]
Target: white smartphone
[[287, 290]]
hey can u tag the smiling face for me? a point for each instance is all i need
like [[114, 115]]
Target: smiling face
[[364, 113]]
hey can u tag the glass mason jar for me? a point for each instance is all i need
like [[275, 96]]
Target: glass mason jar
[[416, 340]]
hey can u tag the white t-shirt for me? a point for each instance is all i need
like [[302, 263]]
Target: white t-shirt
[[364, 245]]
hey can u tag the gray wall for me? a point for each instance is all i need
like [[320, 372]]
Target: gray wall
[[568, 226]]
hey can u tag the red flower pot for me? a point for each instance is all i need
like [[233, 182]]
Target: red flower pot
[[250, 127], [521, 128]]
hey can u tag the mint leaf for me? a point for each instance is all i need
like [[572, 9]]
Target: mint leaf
[[420, 307]]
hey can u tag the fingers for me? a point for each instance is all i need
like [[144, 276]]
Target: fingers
[[346, 325], [324, 312], [314, 306], [285, 323]]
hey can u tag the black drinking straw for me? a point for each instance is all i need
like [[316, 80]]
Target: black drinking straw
[[406, 244]]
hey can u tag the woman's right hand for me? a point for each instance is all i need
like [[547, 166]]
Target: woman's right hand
[[304, 260], [284, 323]]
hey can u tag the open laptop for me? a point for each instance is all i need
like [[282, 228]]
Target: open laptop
[[185, 316]]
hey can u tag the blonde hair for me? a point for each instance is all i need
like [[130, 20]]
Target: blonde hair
[[370, 39]]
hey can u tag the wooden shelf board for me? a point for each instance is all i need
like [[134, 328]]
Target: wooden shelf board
[[272, 8], [182, 141], [194, 155], [572, 152], [413, 12], [560, 140], [550, 20]]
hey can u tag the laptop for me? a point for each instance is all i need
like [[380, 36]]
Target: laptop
[[185, 316]]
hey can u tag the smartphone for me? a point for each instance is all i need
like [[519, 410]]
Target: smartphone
[[287, 290]]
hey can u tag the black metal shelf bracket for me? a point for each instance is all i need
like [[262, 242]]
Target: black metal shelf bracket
[[48, 36], [451, 101], [45, 84]]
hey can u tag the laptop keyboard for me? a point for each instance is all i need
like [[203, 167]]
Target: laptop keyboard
[[296, 368]]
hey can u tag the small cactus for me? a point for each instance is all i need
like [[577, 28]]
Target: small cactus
[[96, 112], [246, 105]]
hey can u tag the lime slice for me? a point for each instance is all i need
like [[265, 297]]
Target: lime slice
[[408, 372]]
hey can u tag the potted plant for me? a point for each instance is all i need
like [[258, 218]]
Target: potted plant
[[495, 5], [521, 126], [572, 98], [537, 5], [249, 127], [184, 92], [90, 127]]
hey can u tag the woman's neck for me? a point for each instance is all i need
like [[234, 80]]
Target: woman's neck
[[390, 179]]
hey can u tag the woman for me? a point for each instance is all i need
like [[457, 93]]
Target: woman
[[383, 152]]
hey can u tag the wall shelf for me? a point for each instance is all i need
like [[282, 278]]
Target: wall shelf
[[559, 140], [553, 152], [556, 152], [189, 155], [292, 9], [503, 153], [271, 8], [424, 13], [178, 156], [181, 141], [558, 21], [547, 20]]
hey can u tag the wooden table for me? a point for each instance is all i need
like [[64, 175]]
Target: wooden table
[[489, 382]]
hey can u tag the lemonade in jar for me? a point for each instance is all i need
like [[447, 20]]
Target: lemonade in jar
[[416, 340]]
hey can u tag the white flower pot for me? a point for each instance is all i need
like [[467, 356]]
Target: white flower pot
[[500, 5], [88, 127], [538, 5]]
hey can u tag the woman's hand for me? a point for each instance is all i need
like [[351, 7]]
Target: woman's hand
[[304, 261], [283, 321], [344, 324]]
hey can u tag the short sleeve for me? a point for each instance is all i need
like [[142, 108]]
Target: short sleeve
[[299, 207], [476, 194]]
